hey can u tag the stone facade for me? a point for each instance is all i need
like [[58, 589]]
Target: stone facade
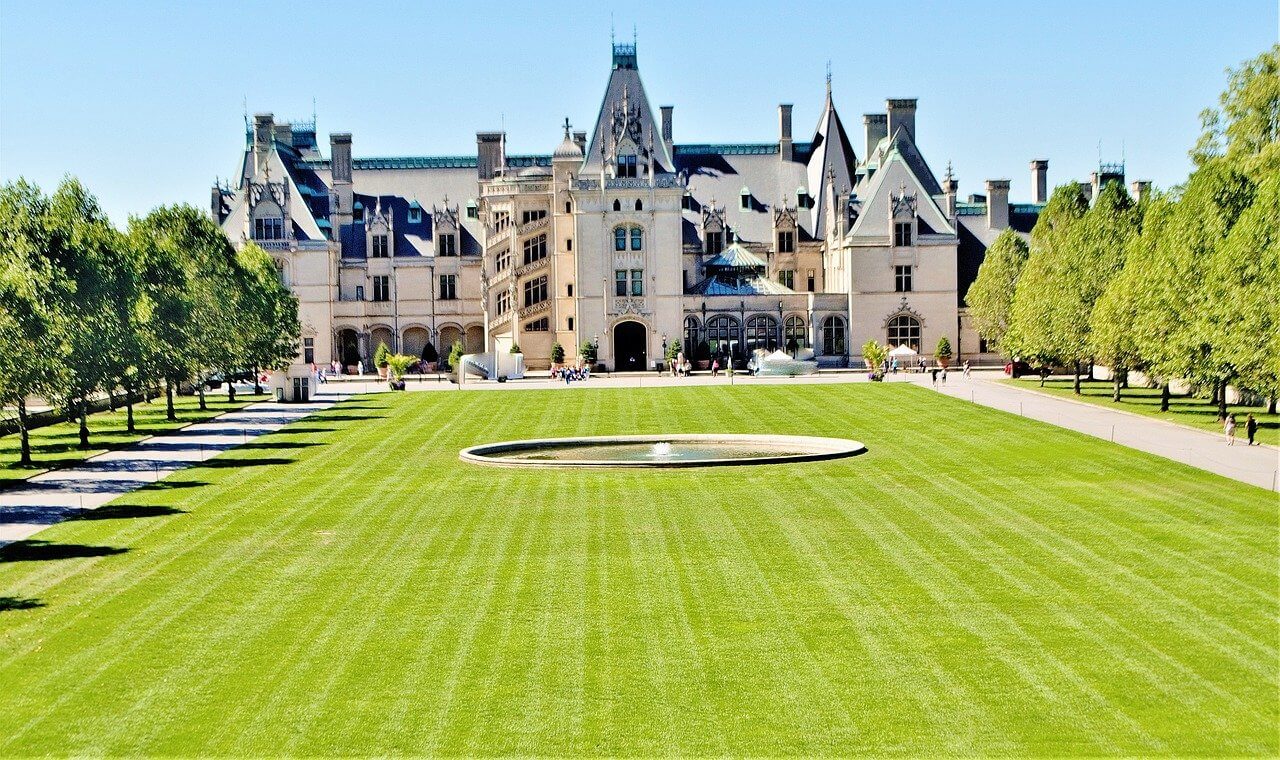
[[623, 238]]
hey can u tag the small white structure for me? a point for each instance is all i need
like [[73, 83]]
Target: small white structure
[[293, 385], [492, 366]]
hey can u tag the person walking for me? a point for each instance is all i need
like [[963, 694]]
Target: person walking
[[1251, 427], [966, 369], [715, 367], [944, 375], [933, 373], [1230, 427]]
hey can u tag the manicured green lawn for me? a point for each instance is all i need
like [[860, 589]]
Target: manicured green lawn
[[55, 446], [975, 584], [1185, 410]]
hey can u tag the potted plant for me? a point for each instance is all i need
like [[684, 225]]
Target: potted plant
[[874, 355], [430, 358], [587, 352], [943, 352], [455, 356], [557, 354], [397, 365], [515, 348], [380, 358], [673, 353]]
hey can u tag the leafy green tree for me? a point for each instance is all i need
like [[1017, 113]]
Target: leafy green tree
[[29, 355], [943, 350], [380, 355], [455, 355], [874, 355], [990, 297], [268, 327], [587, 352], [1246, 127], [557, 353]]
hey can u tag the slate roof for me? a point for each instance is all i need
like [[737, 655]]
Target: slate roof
[[736, 257], [625, 77], [830, 153], [719, 172]]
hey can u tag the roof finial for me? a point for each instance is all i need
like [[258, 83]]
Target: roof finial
[[949, 176], [613, 37], [566, 127], [828, 79]]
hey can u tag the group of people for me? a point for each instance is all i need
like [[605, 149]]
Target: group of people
[[890, 365], [680, 366], [1250, 428], [570, 374]]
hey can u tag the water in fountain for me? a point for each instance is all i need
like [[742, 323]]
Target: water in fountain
[[661, 449]]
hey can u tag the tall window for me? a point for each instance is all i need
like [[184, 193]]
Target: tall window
[[715, 242], [786, 241], [569, 289], [448, 287], [503, 260], [379, 247], [382, 288], [449, 245], [902, 234], [904, 330], [691, 338], [268, 228], [744, 199], [637, 239], [902, 279], [620, 282], [788, 278], [725, 332], [532, 216], [809, 281], [795, 335], [637, 282], [535, 291], [504, 301], [620, 239], [627, 165], [762, 332], [308, 350], [833, 336], [535, 249]]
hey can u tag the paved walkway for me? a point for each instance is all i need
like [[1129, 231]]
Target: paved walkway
[[55, 496], [1256, 465]]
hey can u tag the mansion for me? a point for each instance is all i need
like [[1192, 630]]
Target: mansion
[[624, 238]]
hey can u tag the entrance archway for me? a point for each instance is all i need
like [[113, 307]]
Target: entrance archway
[[630, 341]]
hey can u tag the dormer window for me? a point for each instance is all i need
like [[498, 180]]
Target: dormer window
[[357, 212], [473, 210], [415, 213], [786, 241], [448, 245], [715, 242], [902, 234], [744, 199], [686, 201], [268, 228], [381, 249], [627, 165], [802, 198]]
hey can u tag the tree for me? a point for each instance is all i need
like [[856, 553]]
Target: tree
[[588, 352], [943, 350], [990, 297], [1064, 279], [268, 326], [29, 356], [557, 353], [455, 356], [380, 355], [1246, 129], [874, 355]]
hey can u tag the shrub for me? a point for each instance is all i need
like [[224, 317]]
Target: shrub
[[588, 352], [943, 351], [673, 350], [874, 354], [381, 355], [515, 348], [429, 354], [557, 353], [455, 354], [398, 364]]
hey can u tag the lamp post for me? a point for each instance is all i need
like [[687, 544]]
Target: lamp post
[[781, 339], [664, 352]]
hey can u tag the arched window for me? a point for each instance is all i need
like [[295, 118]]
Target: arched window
[[904, 330], [617, 205], [639, 205], [833, 340], [637, 238], [762, 332], [620, 239], [725, 333], [796, 336], [691, 339]]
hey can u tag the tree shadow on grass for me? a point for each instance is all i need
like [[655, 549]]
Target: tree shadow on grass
[[345, 417], [127, 512], [276, 445], [39, 551], [231, 464], [12, 603], [291, 430]]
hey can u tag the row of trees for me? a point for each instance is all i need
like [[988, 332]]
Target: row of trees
[[1182, 285], [87, 309]]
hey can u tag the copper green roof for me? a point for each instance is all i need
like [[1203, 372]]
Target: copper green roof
[[736, 257]]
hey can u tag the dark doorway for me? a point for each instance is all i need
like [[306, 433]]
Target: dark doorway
[[629, 342]]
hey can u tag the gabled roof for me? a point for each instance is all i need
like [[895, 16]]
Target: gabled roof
[[831, 154], [736, 257], [905, 144], [625, 85]]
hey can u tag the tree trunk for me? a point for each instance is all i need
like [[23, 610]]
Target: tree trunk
[[1271, 405], [1075, 385], [111, 399], [84, 424], [25, 461], [1216, 393], [257, 382], [1164, 397], [1116, 385], [169, 414], [200, 391], [1222, 399], [128, 405], [1124, 383], [231, 390]]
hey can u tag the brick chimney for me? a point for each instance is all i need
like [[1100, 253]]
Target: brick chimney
[[1040, 180], [786, 148], [902, 113], [490, 158], [666, 127], [342, 195], [876, 126]]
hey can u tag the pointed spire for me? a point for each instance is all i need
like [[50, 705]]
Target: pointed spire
[[828, 81], [567, 127]]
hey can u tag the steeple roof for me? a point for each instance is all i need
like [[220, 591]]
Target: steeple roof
[[625, 115], [831, 157]]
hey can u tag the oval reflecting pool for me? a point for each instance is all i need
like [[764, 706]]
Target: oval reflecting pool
[[682, 450]]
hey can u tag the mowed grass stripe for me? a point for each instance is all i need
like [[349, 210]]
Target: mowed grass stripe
[[976, 584]]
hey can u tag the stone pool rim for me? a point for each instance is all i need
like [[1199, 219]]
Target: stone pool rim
[[813, 449]]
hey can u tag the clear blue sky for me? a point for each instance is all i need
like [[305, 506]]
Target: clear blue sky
[[143, 101]]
